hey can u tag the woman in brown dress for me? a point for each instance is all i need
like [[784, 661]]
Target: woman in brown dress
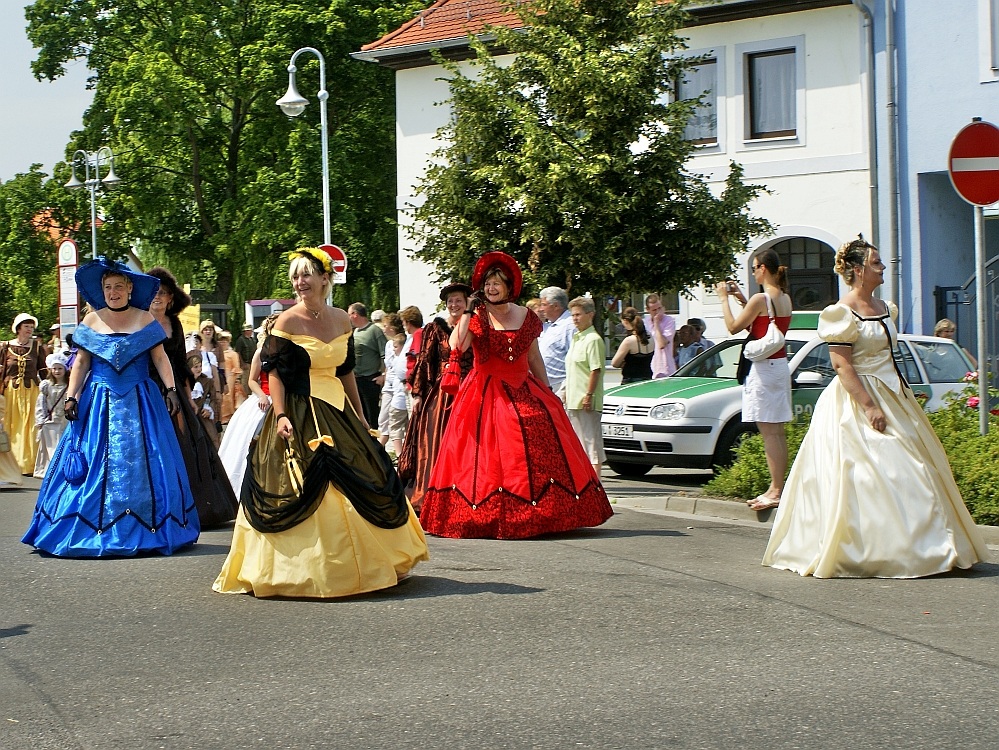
[[431, 405], [23, 362]]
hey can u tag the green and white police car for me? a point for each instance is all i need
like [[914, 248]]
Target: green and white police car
[[693, 419]]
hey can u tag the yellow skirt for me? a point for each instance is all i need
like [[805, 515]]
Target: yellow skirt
[[19, 422], [10, 472], [334, 552]]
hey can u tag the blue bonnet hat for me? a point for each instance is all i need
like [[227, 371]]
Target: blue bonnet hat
[[89, 280]]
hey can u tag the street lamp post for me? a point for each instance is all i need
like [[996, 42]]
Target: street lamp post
[[293, 104], [93, 182]]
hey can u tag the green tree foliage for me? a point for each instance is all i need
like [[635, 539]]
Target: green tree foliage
[[572, 158], [32, 208], [217, 183]]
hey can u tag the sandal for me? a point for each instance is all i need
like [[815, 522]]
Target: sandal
[[764, 503]]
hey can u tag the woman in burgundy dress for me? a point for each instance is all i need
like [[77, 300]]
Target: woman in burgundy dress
[[510, 465], [431, 405]]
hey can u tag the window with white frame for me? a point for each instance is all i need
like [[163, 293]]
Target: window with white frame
[[772, 93], [697, 82], [994, 40], [988, 41]]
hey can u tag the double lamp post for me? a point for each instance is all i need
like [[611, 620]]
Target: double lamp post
[[93, 181]]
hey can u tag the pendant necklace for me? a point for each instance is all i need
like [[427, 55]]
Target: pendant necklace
[[315, 313]]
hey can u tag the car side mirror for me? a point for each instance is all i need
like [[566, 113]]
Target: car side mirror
[[808, 378]]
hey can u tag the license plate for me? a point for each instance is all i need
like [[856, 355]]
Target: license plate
[[616, 430]]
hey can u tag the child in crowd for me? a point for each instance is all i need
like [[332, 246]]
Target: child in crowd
[[50, 415], [398, 411], [201, 396]]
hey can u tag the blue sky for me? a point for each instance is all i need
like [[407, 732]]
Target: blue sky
[[36, 118]]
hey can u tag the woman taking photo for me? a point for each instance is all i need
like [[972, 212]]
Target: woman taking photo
[[871, 493], [212, 493], [766, 394], [634, 356], [323, 513], [431, 405], [117, 484], [510, 465]]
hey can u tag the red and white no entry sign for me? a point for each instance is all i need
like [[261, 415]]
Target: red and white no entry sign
[[339, 261], [974, 163]]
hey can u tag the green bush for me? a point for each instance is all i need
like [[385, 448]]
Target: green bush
[[748, 476], [974, 458]]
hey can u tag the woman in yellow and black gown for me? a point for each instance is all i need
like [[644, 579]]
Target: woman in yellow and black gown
[[323, 513]]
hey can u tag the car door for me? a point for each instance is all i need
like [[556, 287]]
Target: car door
[[945, 365], [805, 391]]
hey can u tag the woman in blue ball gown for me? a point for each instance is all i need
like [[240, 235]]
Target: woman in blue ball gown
[[117, 485]]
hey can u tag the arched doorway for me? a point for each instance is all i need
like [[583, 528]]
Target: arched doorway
[[814, 283]]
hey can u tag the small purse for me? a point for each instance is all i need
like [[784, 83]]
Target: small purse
[[4, 442], [294, 465], [757, 350], [74, 464], [451, 379]]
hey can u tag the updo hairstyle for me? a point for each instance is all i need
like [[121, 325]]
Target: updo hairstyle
[[851, 256]]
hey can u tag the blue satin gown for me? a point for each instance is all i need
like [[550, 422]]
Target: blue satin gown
[[135, 497]]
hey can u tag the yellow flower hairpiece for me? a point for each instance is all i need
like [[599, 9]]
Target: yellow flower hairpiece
[[316, 254]]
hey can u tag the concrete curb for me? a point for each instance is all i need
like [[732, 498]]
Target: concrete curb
[[729, 510]]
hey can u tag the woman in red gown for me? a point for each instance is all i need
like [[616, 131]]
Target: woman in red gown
[[510, 465]]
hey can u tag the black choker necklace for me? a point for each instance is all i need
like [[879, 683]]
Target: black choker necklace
[[118, 309]]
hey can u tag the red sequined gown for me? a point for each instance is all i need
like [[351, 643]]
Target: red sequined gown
[[510, 465]]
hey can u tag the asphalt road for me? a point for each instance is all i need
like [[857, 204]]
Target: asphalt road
[[653, 631]]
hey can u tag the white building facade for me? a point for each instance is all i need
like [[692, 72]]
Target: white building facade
[[790, 102]]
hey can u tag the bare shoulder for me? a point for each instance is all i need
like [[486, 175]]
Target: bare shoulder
[[341, 320], [784, 305], [290, 321]]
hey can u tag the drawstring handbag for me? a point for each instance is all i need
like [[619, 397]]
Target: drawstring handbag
[[451, 379], [757, 350], [4, 441], [74, 465]]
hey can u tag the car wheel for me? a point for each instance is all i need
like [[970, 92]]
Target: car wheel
[[731, 436], [629, 470]]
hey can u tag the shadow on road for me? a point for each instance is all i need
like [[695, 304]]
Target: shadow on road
[[420, 587], [14, 630]]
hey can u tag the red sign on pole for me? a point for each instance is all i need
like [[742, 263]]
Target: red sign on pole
[[339, 261], [974, 163]]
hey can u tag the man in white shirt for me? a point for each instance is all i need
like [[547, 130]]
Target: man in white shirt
[[557, 335]]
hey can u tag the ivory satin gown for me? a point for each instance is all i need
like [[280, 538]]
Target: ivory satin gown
[[860, 503]]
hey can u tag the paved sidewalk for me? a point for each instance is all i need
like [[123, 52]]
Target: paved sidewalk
[[695, 504]]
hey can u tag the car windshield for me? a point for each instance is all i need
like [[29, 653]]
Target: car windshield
[[720, 361]]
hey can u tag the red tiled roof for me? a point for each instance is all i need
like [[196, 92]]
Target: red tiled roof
[[444, 20]]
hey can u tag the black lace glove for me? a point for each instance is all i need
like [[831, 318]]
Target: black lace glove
[[173, 402], [70, 409]]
